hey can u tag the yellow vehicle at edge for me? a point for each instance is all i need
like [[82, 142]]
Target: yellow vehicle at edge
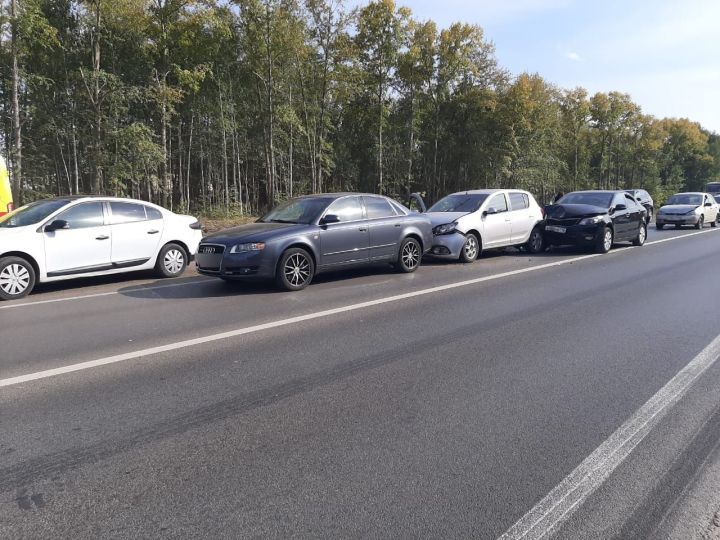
[[6, 200]]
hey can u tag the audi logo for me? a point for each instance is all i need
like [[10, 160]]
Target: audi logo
[[207, 249]]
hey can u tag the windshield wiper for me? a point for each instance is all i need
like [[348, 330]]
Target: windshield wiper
[[283, 221]]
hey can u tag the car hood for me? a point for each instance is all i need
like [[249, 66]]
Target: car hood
[[441, 218], [5, 232], [678, 208], [257, 232], [560, 211]]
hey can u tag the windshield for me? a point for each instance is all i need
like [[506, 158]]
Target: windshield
[[465, 202], [302, 211], [32, 213], [602, 200], [717, 197], [714, 188], [686, 198]]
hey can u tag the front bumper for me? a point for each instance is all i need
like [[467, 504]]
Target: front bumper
[[250, 264], [662, 219], [581, 235], [447, 246]]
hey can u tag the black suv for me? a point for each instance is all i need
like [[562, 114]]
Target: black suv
[[645, 199]]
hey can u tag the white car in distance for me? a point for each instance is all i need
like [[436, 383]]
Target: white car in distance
[[468, 222], [70, 237]]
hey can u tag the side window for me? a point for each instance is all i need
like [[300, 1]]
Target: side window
[[499, 203], [153, 213], [84, 215], [519, 201], [377, 207], [630, 202], [619, 199], [123, 212], [347, 209]]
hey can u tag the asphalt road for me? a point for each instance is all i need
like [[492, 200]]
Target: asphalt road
[[444, 412]]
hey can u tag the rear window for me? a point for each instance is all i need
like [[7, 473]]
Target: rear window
[[123, 212], [519, 201], [377, 207]]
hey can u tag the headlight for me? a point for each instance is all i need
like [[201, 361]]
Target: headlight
[[242, 248], [447, 228], [693, 211], [592, 220]]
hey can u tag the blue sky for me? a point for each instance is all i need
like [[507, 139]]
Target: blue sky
[[664, 53]]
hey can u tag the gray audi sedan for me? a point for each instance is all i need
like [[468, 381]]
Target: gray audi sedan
[[317, 233]]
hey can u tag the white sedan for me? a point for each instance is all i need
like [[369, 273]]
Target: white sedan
[[466, 223], [69, 237]]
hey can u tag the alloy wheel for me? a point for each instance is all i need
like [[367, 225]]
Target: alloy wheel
[[410, 255], [641, 235], [607, 240], [471, 248], [174, 261], [536, 241], [297, 269], [14, 279]]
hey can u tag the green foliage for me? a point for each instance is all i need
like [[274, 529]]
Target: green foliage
[[228, 107]]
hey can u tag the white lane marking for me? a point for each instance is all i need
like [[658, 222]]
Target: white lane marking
[[200, 281], [109, 293], [294, 320], [558, 505]]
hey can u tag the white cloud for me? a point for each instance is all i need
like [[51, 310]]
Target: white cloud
[[575, 57]]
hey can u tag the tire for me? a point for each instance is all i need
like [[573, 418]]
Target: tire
[[717, 220], [660, 226], [701, 223], [295, 270], [409, 255], [642, 235], [171, 261], [471, 250], [650, 214], [536, 242], [604, 241], [17, 278]]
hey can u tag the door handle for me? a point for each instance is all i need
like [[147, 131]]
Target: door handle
[[102, 237], [153, 231], [362, 229]]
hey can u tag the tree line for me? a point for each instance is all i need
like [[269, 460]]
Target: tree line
[[232, 106]]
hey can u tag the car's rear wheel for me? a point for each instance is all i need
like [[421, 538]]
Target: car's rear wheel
[[471, 249], [17, 278], [701, 223], [642, 235], [409, 255], [295, 270], [604, 240], [171, 261], [535, 243], [717, 220]]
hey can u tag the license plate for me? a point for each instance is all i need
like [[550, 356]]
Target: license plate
[[553, 228]]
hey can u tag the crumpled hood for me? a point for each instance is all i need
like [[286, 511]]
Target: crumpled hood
[[560, 211], [678, 208], [441, 218], [255, 232]]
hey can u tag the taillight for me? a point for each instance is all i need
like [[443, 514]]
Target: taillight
[[196, 226]]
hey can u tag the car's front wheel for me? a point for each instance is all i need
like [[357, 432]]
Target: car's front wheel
[[642, 235], [17, 278], [701, 223], [717, 220], [409, 255], [295, 270], [604, 240], [171, 261], [471, 249]]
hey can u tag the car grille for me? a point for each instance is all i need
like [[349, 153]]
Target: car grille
[[211, 249], [566, 222]]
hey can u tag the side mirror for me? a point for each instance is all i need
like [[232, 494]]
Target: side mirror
[[490, 211], [329, 218], [57, 225], [708, 204]]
